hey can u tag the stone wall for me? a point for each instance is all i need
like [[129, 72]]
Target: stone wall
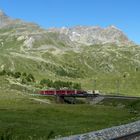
[[108, 134]]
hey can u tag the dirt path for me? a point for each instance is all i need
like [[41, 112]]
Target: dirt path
[[41, 100]]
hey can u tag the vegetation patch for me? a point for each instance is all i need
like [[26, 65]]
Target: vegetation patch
[[27, 119]]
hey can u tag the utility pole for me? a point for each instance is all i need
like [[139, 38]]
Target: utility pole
[[117, 87], [95, 84]]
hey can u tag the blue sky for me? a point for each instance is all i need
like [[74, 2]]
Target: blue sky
[[125, 14]]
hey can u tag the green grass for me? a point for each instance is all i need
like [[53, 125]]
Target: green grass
[[127, 103], [105, 64], [28, 119]]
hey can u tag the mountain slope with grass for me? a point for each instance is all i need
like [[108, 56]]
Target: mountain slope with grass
[[103, 59]]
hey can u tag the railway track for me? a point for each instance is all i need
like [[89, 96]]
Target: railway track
[[132, 136], [85, 95], [120, 96], [104, 96]]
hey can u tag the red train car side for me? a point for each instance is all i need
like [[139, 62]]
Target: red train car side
[[60, 92]]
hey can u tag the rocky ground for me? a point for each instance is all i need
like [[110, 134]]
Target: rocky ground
[[109, 133]]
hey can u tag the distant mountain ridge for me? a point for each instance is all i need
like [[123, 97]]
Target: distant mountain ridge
[[79, 54], [87, 35], [4, 19]]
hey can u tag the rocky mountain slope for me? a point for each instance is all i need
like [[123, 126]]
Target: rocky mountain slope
[[90, 35], [81, 54]]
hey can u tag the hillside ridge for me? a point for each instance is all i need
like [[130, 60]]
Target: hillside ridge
[[58, 54], [86, 35]]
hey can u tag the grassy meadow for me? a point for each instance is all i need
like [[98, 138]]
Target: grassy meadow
[[109, 68], [22, 118]]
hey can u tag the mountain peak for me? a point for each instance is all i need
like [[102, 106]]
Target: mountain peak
[[113, 27], [90, 35], [4, 19], [2, 14], [84, 35]]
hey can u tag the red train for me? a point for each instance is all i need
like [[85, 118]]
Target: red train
[[61, 92]]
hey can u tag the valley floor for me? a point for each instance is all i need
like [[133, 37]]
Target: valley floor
[[23, 118]]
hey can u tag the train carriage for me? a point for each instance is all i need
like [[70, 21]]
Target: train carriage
[[61, 92]]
